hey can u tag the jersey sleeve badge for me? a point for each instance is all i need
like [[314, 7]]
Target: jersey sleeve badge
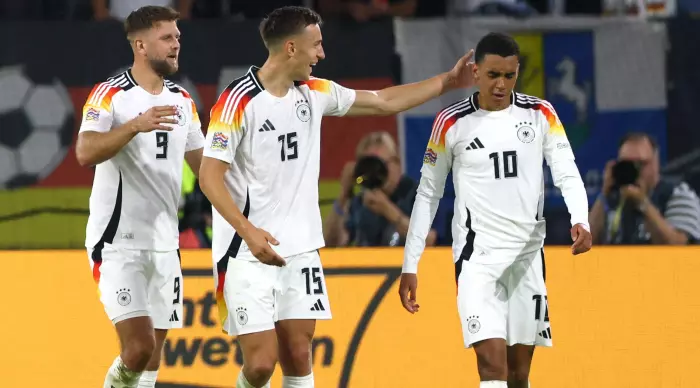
[[219, 141], [430, 157]]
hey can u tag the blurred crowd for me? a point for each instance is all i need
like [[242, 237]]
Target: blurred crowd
[[357, 10]]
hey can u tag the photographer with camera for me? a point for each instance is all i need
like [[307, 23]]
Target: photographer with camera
[[638, 206], [379, 214]]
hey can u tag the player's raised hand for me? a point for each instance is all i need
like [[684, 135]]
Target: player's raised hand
[[582, 239], [259, 242], [155, 118], [408, 292], [462, 75]]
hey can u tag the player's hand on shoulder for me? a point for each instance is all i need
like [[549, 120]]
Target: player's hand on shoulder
[[259, 242], [408, 292], [583, 241], [155, 118]]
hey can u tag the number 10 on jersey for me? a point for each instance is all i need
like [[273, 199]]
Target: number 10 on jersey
[[510, 164]]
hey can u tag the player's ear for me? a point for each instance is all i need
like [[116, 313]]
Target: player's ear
[[290, 47], [475, 69]]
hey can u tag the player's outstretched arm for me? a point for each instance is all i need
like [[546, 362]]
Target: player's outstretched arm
[[400, 98], [211, 180], [566, 177], [94, 147]]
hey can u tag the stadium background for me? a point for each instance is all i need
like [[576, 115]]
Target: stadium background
[[626, 315]]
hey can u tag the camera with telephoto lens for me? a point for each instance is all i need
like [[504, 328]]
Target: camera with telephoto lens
[[370, 172], [625, 172]]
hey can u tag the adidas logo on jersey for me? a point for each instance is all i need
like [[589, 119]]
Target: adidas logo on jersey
[[547, 334], [266, 127], [174, 318], [475, 145], [318, 306]]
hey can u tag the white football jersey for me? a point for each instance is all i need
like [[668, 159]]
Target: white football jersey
[[496, 159], [135, 194], [273, 146]]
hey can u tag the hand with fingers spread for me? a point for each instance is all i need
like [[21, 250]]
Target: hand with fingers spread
[[582, 239], [259, 241], [408, 292], [155, 118]]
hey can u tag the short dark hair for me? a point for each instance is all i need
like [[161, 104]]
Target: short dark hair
[[147, 16], [638, 136], [286, 21], [498, 44]]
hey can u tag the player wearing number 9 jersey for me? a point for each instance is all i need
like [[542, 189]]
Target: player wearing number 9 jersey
[[494, 143], [260, 172], [137, 130]]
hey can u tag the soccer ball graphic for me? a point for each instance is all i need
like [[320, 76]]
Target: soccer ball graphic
[[36, 128]]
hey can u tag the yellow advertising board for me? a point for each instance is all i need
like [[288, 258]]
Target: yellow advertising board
[[621, 317]]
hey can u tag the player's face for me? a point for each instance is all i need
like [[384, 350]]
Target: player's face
[[307, 51], [392, 164], [495, 78], [162, 45], [641, 152]]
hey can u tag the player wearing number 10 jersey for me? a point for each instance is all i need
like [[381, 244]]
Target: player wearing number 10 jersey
[[137, 129], [260, 172], [494, 142]]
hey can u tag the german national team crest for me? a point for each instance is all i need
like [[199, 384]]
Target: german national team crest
[[473, 324], [123, 296], [241, 316], [180, 115], [303, 110], [525, 132]]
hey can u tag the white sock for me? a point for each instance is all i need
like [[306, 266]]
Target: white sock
[[242, 382], [493, 384], [148, 379], [298, 382], [119, 376]]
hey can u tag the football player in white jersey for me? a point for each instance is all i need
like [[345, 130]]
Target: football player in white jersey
[[260, 172], [494, 142], [137, 128]]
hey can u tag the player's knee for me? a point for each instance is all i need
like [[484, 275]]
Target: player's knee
[[299, 360], [492, 366], [260, 367], [138, 352], [519, 373]]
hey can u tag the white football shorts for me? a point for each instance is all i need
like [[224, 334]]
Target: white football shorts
[[507, 300], [256, 295], [136, 283]]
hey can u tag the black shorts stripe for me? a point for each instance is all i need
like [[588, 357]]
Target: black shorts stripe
[[544, 267], [111, 229], [468, 248]]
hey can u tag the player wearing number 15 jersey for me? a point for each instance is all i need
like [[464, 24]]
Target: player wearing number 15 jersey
[[494, 143], [137, 129], [260, 172]]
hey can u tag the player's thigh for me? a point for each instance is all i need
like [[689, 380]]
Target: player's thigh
[[248, 304], [165, 290], [122, 279], [302, 292], [528, 308], [519, 361], [482, 300]]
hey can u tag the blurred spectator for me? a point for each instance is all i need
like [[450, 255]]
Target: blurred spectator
[[366, 10], [516, 8], [376, 216], [120, 9], [638, 206]]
